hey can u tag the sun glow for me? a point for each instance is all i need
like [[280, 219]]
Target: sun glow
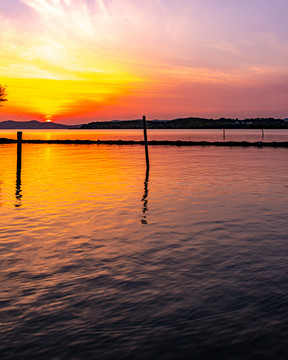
[[55, 98], [73, 72]]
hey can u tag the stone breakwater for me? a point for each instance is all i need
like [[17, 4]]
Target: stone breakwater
[[273, 144]]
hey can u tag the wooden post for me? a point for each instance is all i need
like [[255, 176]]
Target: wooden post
[[223, 134], [146, 143], [262, 133], [19, 150], [19, 165]]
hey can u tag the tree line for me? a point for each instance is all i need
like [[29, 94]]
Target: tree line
[[192, 123]]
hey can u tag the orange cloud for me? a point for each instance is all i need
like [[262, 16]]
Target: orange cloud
[[73, 59]]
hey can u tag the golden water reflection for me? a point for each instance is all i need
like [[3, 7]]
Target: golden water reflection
[[100, 184]]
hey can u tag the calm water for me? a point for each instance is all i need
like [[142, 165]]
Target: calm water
[[99, 261], [153, 134]]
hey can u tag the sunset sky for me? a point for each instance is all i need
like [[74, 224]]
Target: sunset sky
[[76, 61]]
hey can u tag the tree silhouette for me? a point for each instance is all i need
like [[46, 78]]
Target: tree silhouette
[[2, 93]]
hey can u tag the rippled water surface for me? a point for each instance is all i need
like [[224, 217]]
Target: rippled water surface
[[100, 260]]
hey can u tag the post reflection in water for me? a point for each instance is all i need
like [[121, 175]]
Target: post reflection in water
[[145, 198], [18, 192]]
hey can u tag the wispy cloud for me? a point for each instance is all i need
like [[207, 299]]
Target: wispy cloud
[[132, 51]]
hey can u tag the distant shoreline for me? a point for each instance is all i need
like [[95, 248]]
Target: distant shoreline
[[192, 123], [181, 123]]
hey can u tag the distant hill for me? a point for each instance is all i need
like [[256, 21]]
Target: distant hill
[[192, 123], [181, 123], [33, 124]]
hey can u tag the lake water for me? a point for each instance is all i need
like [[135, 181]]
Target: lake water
[[153, 134], [100, 260]]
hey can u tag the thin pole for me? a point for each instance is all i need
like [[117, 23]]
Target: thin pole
[[223, 134], [18, 173], [146, 143], [19, 149]]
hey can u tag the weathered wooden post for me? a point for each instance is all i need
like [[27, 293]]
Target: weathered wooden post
[[146, 143], [19, 165], [19, 150], [223, 134], [262, 133]]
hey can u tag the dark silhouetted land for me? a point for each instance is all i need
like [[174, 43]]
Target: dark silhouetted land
[[33, 124], [192, 123], [181, 123]]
